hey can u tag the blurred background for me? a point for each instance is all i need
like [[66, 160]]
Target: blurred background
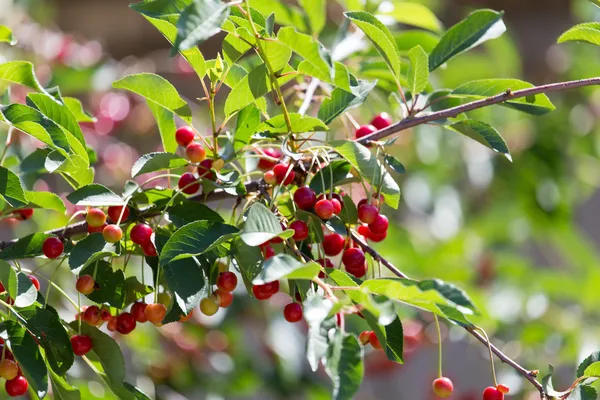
[[521, 238]]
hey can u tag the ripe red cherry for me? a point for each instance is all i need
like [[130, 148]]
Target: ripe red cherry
[[112, 233], [138, 311], [380, 225], [95, 217], [149, 249], [281, 170], [365, 337], [188, 179], [224, 298], [112, 324], [184, 135], [268, 252], [374, 341], [367, 213], [16, 387], [155, 313], [363, 230], [114, 213], [333, 244], [35, 282], [300, 230], [81, 344], [365, 130], [324, 209], [195, 152], [205, 171], [105, 313], [23, 214], [353, 258], [125, 323], [305, 198], [357, 270], [92, 316], [272, 152], [227, 281], [442, 387], [265, 291], [377, 237], [85, 284], [491, 393], [270, 178], [141, 233], [382, 120], [337, 206], [52, 247], [292, 312], [503, 388]]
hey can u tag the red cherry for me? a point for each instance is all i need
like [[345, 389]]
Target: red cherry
[[272, 152], [105, 313], [125, 323], [503, 388], [300, 230], [2, 290], [112, 324], [333, 244], [188, 179], [442, 387], [138, 311], [195, 152], [112, 233], [149, 249], [365, 130], [374, 341], [224, 298], [155, 313], [292, 312], [98, 229], [114, 213], [205, 170], [357, 270], [81, 344], [277, 240], [16, 387], [268, 252], [365, 337], [35, 282], [491, 393], [261, 292], [305, 198], [353, 258], [270, 178], [141, 233], [331, 196], [326, 263], [52, 247], [184, 135], [273, 287], [92, 316], [23, 214], [380, 225], [281, 170], [324, 209], [377, 237], [363, 230], [373, 201], [367, 213], [85, 284], [337, 206], [95, 217], [227, 281], [382, 121]]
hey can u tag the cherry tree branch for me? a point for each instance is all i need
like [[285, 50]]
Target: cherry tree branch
[[454, 111]]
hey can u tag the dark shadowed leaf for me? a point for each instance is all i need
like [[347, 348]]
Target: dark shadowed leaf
[[10, 188], [91, 249], [344, 365], [200, 21], [186, 282], [482, 133]]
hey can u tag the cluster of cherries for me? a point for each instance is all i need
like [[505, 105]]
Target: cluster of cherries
[[380, 121], [369, 337], [195, 153], [443, 388], [16, 384]]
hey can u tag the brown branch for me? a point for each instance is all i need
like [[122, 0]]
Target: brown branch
[[454, 111]]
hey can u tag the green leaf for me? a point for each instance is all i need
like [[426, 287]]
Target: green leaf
[[390, 336], [483, 133], [593, 370], [21, 73], [246, 125], [62, 390], [450, 292], [157, 90], [249, 261], [95, 195], [341, 100], [582, 392], [316, 11], [344, 365], [160, 8], [185, 211], [367, 164], [153, 162], [45, 200], [74, 167], [186, 282], [27, 354], [380, 37], [535, 105], [8, 278], [479, 26], [589, 360], [10, 188], [262, 225], [300, 124], [278, 54], [588, 32], [194, 239], [26, 247], [235, 47], [135, 290], [337, 172], [26, 292], [7, 36], [165, 120], [285, 14], [415, 14], [89, 250], [282, 266], [406, 40], [110, 283], [106, 351], [349, 214], [200, 21], [316, 310], [394, 164], [45, 324], [418, 72], [75, 106]]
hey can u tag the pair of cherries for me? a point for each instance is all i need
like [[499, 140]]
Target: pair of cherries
[[443, 388]]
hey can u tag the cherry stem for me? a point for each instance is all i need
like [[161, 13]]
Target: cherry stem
[[491, 355], [439, 338], [51, 280]]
